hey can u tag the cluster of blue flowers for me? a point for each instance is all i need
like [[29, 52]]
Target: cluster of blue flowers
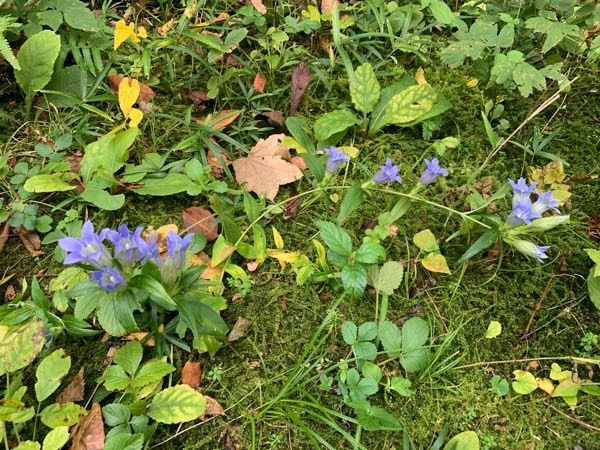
[[129, 250], [388, 173]]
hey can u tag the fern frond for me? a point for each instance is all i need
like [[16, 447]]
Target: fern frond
[[7, 22]]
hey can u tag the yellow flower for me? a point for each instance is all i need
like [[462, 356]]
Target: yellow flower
[[124, 32], [129, 91]]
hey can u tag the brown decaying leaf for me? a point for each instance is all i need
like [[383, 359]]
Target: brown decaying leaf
[[232, 437], [217, 163], [299, 162], [210, 273], [139, 336], [191, 374], [274, 118], [251, 266], [200, 220], [327, 6], [258, 4], [74, 160], [198, 96], [266, 168], [4, 233], [301, 78], [219, 120], [31, 241], [74, 390], [110, 355], [291, 208], [146, 92], [88, 434], [160, 235], [259, 83], [213, 408], [240, 329]]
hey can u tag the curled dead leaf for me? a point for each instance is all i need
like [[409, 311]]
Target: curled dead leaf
[[74, 390], [258, 4], [274, 118], [299, 162], [210, 273], [259, 83], [4, 233], [198, 96], [140, 336], [146, 92], [88, 434], [301, 78], [200, 220], [217, 163], [266, 168], [220, 120], [191, 374], [213, 408], [31, 241], [240, 329]]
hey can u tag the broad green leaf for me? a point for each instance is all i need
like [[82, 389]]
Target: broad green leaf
[[591, 389], [365, 350], [49, 373], [334, 124], [425, 241], [124, 442], [499, 385], [494, 329], [484, 241], [409, 105], [352, 200], [370, 253], [21, 347], [235, 36], [58, 415], [504, 66], [177, 404], [528, 78], [401, 386], [221, 250], [391, 338], [372, 371], [373, 418], [114, 378], [77, 15], [364, 89], [335, 237], [115, 414], [557, 374], [436, 262], [524, 382], [36, 58], [386, 95], [441, 11], [354, 279], [415, 360], [112, 312], [566, 388], [367, 331], [415, 333], [349, 332], [554, 30], [595, 256], [467, 440], [103, 199], [593, 285], [47, 183], [172, 183], [56, 438], [28, 445], [155, 291], [389, 277], [129, 356], [300, 130], [151, 372]]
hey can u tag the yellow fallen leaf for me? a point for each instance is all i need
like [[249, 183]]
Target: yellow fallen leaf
[[129, 90], [434, 262], [420, 76], [283, 257], [472, 82], [545, 385], [277, 238]]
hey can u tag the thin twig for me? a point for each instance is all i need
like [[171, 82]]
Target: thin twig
[[574, 359], [580, 422], [537, 308]]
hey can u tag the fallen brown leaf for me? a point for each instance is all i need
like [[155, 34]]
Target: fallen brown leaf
[[4, 233], [139, 336], [31, 241], [210, 273], [327, 6], [217, 163], [239, 329], [232, 61], [232, 437], [191, 374], [10, 293], [88, 434], [259, 83], [258, 4], [74, 160], [213, 407], [266, 168], [164, 29], [110, 355], [198, 96], [274, 118], [200, 220], [301, 78], [291, 208], [74, 390], [252, 266], [299, 162], [146, 92], [219, 120]]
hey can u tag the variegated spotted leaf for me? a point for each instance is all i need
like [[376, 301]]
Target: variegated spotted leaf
[[364, 89], [410, 104]]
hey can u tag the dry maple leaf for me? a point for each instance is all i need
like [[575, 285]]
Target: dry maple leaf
[[146, 92], [89, 431], [74, 391], [266, 168], [200, 220], [191, 374]]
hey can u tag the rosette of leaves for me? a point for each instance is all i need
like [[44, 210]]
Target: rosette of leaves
[[404, 103]]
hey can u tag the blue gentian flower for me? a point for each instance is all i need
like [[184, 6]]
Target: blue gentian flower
[[530, 249], [109, 278], [88, 248], [129, 247], [544, 203], [432, 171], [524, 210], [176, 247], [388, 173], [335, 158]]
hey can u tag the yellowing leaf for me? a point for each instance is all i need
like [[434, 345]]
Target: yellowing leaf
[[426, 241], [290, 142], [557, 374], [283, 257], [141, 32], [352, 152], [124, 32], [321, 253], [567, 388], [266, 168], [545, 385], [277, 238], [420, 76], [524, 382], [494, 329], [436, 262], [472, 82], [128, 93], [135, 117]]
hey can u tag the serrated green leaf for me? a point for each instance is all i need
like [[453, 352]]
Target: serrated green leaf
[[373, 418], [365, 350], [115, 414], [177, 404], [47, 183], [415, 333], [354, 279], [333, 124], [494, 329], [335, 237], [554, 30], [124, 442], [114, 379], [367, 331], [56, 438], [372, 371], [21, 347], [349, 332], [129, 356], [364, 88], [391, 338], [65, 414], [441, 11], [49, 373], [402, 386], [409, 105], [370, 253], [528, 78], [524, 382], [389, 277]]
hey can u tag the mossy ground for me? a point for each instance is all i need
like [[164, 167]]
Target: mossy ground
[[247, 373]]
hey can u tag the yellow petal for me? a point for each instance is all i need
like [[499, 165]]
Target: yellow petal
[[122, 33], [277, 238], [135, 117], [129, 90], [141, 32]]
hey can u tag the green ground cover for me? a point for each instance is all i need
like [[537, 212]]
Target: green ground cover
[[319, 301]]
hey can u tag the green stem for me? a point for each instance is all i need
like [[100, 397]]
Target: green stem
[[384, 307], [357, 436]]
